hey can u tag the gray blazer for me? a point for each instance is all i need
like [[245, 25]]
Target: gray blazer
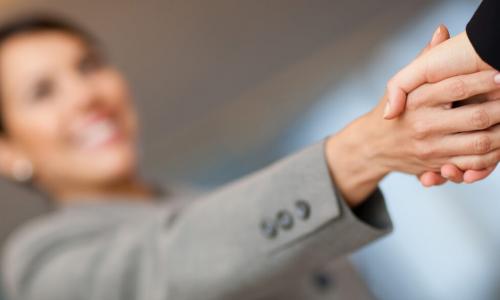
[[261, 237]]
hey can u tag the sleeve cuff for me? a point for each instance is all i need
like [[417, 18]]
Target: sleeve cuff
[[483, 31], [373, 212]]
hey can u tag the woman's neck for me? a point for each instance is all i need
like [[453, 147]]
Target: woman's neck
[[131, 190]]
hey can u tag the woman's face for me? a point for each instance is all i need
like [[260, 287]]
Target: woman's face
[[66, 111]]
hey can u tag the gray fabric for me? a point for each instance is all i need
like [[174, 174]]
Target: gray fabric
[[211, 248]]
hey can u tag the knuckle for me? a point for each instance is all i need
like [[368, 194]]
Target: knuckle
[[423, 151], [458, 89], [482, 144], [411, 104], [480, 119], [421, 129]]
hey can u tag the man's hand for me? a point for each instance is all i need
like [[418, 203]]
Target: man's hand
[[453, 57], [453, 173]]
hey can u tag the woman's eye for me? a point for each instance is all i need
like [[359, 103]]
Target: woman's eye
[[43, 90]]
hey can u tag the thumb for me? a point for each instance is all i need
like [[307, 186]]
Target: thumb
[[396, 96], [440, 35]]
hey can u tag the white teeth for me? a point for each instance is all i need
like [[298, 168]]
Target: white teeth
[[96, 134]]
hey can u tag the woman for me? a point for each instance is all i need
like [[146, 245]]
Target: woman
[[69, 129]]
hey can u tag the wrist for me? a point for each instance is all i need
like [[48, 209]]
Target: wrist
[[355, 160], [481, 65]]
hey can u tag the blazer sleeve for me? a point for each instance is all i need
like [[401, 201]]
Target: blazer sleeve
[[483, 31], [243, 239]]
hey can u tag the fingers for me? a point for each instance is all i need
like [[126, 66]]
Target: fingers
[[429, 179], [490, 96], [495, 95], [397, 106], [440, 35], [472, 176], [463, 119], [405, 81], [474, 143], [454, 57], [454, 89], [476, 162], [451, 172]]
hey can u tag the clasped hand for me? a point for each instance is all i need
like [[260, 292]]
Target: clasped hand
[[438, 120], [455, 63]]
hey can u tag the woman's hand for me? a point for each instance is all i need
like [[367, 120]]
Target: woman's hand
[[428, 135]]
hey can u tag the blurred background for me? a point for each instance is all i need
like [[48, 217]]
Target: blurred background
[[225, 87]]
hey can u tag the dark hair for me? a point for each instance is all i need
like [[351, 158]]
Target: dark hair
[[38, 23]]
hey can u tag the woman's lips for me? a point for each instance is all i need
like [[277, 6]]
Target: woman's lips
[[97, 134]]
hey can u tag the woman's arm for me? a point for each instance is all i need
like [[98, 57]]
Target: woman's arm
[[253, 234], [243, 239]]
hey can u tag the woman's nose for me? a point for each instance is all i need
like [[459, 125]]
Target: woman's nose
[[81, 93]]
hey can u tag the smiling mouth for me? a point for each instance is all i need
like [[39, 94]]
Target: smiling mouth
[[97, 134]]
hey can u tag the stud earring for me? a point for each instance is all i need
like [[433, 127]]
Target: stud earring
[[22, 170]]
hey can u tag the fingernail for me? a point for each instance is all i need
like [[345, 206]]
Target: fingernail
[[436, 33], [497, 78], [387, 109]]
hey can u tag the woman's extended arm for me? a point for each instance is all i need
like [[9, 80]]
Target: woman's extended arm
[[249, 235], [252, 235], [245, 238], [296, 214]]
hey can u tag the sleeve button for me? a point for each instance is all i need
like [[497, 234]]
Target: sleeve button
[[302, 209], [322, 281], [284, 219], [268, 228]]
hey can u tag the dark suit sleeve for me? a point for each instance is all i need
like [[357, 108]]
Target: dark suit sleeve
[[483, 31]]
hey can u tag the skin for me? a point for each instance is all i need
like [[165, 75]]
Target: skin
[[429, 135], [425, 138], [53, 86], [453, 57]]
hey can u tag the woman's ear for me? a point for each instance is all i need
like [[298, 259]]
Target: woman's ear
[[13, 163]]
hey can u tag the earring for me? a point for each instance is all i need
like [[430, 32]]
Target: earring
[[22, 170]]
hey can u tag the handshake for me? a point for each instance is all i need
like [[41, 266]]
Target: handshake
[[439, 120]]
